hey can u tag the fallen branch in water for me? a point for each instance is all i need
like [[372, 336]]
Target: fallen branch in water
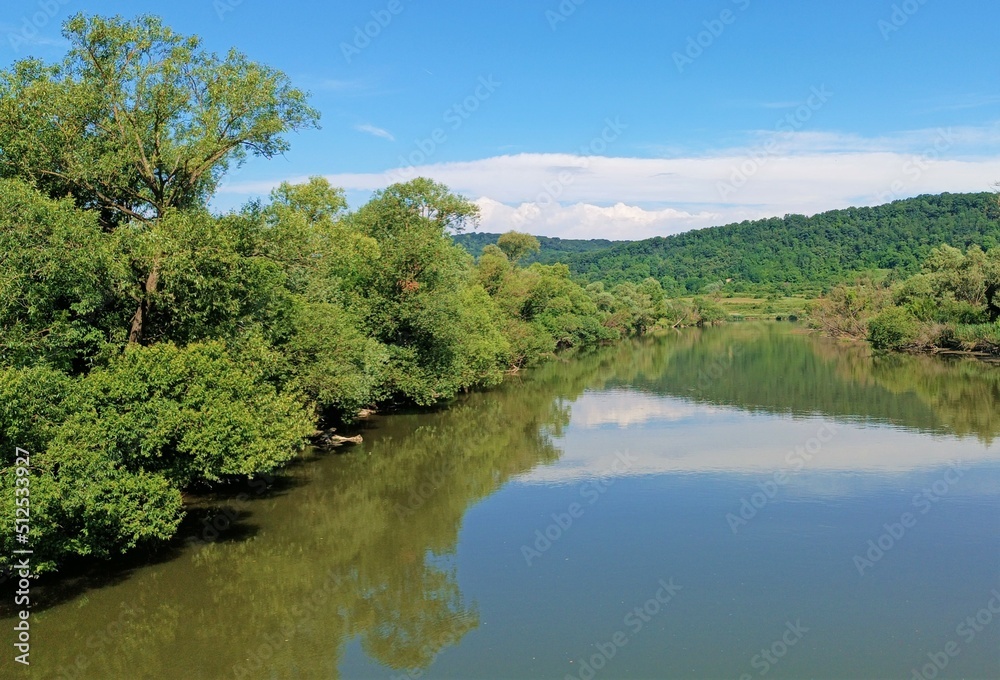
[[330, 440]]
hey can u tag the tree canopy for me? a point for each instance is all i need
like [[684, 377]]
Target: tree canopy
[[798, 252], [138, 120]]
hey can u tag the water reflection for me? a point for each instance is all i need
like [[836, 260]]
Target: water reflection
[[359, 551], [777, 369], [353, 546]]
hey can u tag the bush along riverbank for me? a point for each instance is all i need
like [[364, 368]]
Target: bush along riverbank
[[952, 305]]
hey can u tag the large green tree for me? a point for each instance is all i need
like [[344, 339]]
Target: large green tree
[[419, 297], [138, 121], [516, 245]]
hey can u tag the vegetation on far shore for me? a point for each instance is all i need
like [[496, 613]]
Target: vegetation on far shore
[[799, 255], [953, 304]]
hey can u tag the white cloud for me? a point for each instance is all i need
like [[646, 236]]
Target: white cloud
[[774, 174], [627, 408], [667, 435], [375, 131], [583, 220], [28, 35]]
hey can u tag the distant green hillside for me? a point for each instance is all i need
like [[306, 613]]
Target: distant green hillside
[[553, 249], [801, 251]]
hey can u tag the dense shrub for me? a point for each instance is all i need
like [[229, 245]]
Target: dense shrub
[[894, 329]]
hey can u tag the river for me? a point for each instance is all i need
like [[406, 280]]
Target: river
[[736, 502]]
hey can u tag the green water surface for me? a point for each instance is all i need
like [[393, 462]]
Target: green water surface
[[739, 502]]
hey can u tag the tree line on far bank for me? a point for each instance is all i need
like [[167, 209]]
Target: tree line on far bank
[[794, 254], [952, 304]]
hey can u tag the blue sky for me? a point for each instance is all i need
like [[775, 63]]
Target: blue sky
[[627, 119]]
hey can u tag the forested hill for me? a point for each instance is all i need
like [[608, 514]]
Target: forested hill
[[552, 249], [799, 250]]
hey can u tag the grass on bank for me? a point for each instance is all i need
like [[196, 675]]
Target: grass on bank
[[754, 308]]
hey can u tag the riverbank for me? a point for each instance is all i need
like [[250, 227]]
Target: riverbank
[[748, 308], [894, 331]]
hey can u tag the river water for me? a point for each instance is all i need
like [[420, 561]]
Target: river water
[[737, 502]]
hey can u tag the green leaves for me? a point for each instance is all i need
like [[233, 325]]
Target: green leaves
[[799, 253], [148, 346], [950, 304], [417, 296], [192, 414], [111, 451], [543, 309], [60, 283], [83, 503], [138, 120], [893, 329], [516, 246]]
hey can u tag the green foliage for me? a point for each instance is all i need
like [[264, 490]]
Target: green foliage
[[192, 414], [708, 311], [559, 306], [894, 329], [984, 336], [797, 252], [951, 304], [551, 249], [138, 120], [416, 297], [81, 505], [846, 310], [329, 359], [33, 404], [516, 246], [111, 451], [210, 279], [60, 283], [543, 309]]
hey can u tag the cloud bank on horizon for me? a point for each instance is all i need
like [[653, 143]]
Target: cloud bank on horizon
[[774, 174], [713, 111]]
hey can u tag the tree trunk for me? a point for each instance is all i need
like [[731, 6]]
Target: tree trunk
[[991, 306], [145, 303]]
